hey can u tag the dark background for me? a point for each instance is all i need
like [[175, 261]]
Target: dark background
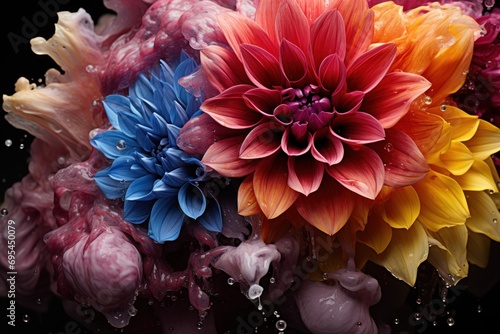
[[13, 166]]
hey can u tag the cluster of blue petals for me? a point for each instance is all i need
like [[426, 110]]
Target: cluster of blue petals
[[157, 180]]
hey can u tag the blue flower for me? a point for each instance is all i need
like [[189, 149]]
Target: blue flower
[[155, 177]]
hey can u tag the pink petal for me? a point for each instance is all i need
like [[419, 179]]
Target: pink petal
[[328, 37], [293, 63], [328, 208], [239, 29], [222, 68], [360, 171], [262, 141], [332, 74], [391, 99], [403, 161], [347, 102], [263, 100], [304, 174], [223, 157], [370, 68], [262, 68], [293, 147], [292, 25], [326, 147], [357, 128], [230, 110]]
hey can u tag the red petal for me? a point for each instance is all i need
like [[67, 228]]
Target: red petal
[[360, 171], [369, 69], [328, 37], [326, 147], [262, 141], [292, 25], [263, 100], [230, 110], [328, 208], [265, 17], [293, 63], [262, 68], [305, 174], [403, 161], [239, 29], [223, 156], [391, 99], [270, 185], [357, 128], [222, 68], [293, 147], [332, 74], [347, 102]]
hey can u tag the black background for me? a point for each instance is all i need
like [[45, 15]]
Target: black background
[[13, 166]]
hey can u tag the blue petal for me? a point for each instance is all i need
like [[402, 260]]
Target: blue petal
[[127, 123], [162, 190], [147, 162], [123, 169], [173, 158], [143, 135], [178, 115], [110, 143], [176, 178], [141, 89], [114, 105], [193, 106], [111, 188], [166, 73], [141, 189], [158, 123], [212, 217], [137, 212], [147, 109], [188, 66], [192, 200], [166, 221], [173, 133]]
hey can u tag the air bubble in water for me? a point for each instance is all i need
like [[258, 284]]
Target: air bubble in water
[[281, 325], [8, 142], [489, 3], [450, 321], [26, 317], [4, 212], [230, 281]]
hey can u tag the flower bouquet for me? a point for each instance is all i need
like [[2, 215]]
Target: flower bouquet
[[240, 166]]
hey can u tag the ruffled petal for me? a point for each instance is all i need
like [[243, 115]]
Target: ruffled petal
[[304, 174], [166, 221]]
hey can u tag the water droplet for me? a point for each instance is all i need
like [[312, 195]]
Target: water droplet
[[132, 311], [21, 146], [91, 69], [443, 108], [388, 147], [8, 142], [281, 325], [26, 317], [4, 212], [359, 324], [61, 160], [418, 301], [491, 191], [325, 276], [495, 220], [434, 323], [489, 3], [150, 301], [417, 316], [173, 298], [121, 145], [230, 281], [200, 325], [427, 100], [272, 280], [479, 309], [396, 321], [450, 321], [39, 301]]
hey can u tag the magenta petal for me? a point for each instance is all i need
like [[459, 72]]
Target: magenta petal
[[262, 141], [262, 68], [403, 161], [293, 62], [304, 174], [357, 128], [326, 147], [360, 171], [328, 37], [263, 100], [367, 71], [347, 102], [290, 145]]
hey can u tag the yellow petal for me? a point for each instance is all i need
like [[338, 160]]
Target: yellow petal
[[442, 202], [448, 253], [485, 217], [376, 235], [485, 142], [478, 249], [463, 125], [407, 250], [457, 159], [402, 208], [477, 178]]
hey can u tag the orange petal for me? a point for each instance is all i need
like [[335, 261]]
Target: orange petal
[[247, 203], [270, 184], [377, 234], [223, 156], [305, 174], [328, 208]]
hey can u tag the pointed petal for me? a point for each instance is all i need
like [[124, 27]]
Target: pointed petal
[[326, 147], [328, 208], [293, 63], [223, 156], [441, 208], [377, 234], [484, 217], [222, 68], [402, 208], [191, 200], [485, 142], [247, 203], [114, 143], [263, 141], [292, 25], [270, 184], [262, 68], [328, 37], [463, 125], [457, 159], [477, 178], [114, 105], [166, 221], [263, 100], [407, 250], [111, 188], [239, 29], [360, 171], [124, 169], [332, 73], [391, 99], [265, 16], [357, 128], [424, 128], [141, 189], [211, 219], [137, 212], [478, 249], [370, 68], [230, 110], [404, 164], [305, 174]]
